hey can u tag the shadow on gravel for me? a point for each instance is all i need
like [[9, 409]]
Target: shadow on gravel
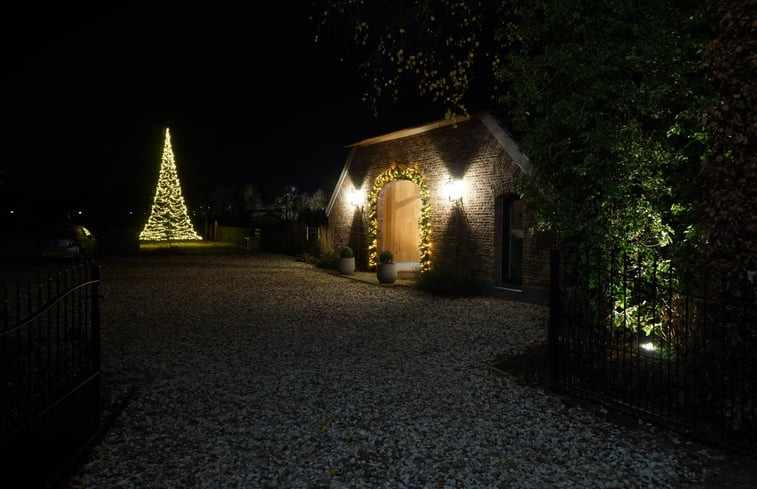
[[528, 367], [733, 471]]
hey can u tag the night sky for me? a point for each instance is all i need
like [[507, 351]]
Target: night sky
[[247, 94]]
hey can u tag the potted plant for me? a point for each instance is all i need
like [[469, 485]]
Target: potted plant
[[387, 269], [346, 260]]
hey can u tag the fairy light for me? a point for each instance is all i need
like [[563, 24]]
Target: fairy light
[[390, 175], [169, 219]]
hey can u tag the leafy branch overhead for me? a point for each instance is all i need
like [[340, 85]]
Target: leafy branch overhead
[[609, 104], [441, 50], [607, 100]]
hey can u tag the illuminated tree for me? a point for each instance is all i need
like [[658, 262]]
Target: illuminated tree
[[169, 219]]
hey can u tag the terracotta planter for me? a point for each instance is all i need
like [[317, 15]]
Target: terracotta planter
[[346, 266], [386, 273]]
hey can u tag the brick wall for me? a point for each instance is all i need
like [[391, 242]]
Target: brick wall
[[463, 234]]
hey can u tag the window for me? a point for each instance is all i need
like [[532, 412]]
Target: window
[[512, 241]]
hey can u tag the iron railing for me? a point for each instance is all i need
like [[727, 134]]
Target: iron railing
[[49, 375], [658, 340]]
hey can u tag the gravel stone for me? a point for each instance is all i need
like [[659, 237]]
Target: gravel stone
[[258, 371]]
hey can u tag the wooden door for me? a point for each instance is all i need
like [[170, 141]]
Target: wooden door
[[401, 215]]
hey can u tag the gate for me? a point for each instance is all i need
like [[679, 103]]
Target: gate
[[49, 376], [657, 341]]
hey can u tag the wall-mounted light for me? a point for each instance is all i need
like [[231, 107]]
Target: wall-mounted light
[[355, 197], [453, 189]]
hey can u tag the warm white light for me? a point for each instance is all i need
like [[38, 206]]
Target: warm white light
[[356, 197], [454, 190], [168, 219], [649, 346]]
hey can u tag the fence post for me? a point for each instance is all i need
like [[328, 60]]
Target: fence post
[[555, 316]]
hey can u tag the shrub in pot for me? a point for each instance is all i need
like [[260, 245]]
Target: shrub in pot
[[346, 260], [387, 269]]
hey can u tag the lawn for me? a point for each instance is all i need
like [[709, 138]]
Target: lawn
[[190, 248]]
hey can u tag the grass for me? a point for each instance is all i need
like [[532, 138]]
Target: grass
[[190, 248]]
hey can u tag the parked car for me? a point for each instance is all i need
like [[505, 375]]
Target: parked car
[[68, 241]]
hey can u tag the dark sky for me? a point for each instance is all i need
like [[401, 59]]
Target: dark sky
[[248, 96]]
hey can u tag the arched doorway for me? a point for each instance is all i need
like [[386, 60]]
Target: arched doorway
[[382, 181], [399, 213]]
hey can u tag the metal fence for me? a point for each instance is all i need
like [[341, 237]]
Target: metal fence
[[661, 341], [49, 375]]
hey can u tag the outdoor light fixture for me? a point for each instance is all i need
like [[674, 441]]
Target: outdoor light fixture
[[650, 349], [355, 197], [648, 346], [454, 190]]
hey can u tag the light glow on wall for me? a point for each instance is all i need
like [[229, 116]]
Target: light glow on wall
[[169, 219], [390, 175]]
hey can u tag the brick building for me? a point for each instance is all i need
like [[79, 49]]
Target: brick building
[[443, 195]]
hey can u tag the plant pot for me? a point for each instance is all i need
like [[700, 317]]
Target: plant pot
[[346, 265], [386, 273]]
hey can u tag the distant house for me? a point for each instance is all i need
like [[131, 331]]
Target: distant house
[[443, 195]]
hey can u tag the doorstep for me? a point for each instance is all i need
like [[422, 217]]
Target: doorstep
[[404, 279]]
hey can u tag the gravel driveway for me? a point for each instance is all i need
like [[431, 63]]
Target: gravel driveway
[[256, 371]]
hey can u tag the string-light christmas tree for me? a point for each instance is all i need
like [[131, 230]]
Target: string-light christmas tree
[[169, 219]]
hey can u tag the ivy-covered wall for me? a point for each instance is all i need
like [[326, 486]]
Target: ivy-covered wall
[[730, 207]]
